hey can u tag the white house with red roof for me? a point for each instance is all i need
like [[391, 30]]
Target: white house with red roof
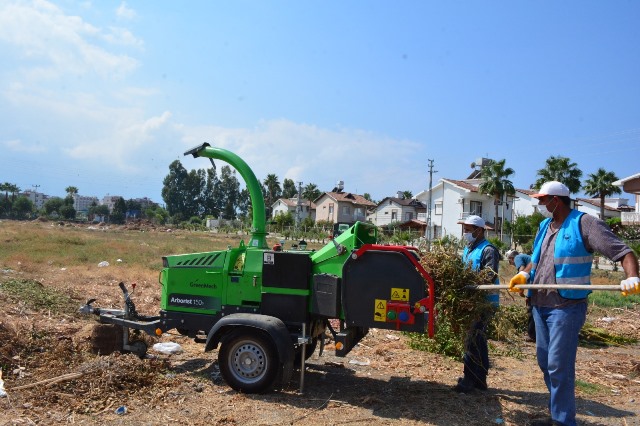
[[397, 210], [631, 184], [613, 207], [289, 205]]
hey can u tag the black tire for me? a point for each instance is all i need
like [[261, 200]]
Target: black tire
[[138, 347], [249, 361]]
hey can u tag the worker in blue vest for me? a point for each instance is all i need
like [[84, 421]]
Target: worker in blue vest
[[563, 254], [481, 255]]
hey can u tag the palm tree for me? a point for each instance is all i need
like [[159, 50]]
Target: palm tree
[[495, 182], [562, 170], [311, 192], [272, 191], [600, 184], [9, 188], [71, 190]]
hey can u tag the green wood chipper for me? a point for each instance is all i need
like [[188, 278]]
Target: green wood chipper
[[267, 309]]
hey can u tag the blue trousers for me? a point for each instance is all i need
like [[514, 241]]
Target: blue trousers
[[557, 332]]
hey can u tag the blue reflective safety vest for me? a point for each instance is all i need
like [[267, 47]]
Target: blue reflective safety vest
[[571, 259], [475, 257]]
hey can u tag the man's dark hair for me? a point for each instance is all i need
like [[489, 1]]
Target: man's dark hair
[[565, 200]]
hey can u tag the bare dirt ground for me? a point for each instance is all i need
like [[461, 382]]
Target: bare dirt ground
[[56, 379]]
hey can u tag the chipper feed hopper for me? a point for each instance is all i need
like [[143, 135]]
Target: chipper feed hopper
[[267, 310]]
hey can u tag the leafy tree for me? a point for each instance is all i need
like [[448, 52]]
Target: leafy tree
[[172, 188], [98, 210], [524, 228], [194, 190], [5, 206], [229, 192], [284, 219], [600, 184], [307, 222], [562, 170], [367, 196], [22, 208], [407, 195], [157, 215], [91, 211], [289, 189], [67, 211], [244, 203], [52, 205], [5, 187], [118, 214], [211, 196], [495, 182], [8, 188], [311, 192], [134, 206], [272, 191]]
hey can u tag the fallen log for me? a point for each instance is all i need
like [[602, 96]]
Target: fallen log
[[51, 381]]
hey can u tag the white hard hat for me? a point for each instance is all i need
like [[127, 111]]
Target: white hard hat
[[474, 220], [553, 188]]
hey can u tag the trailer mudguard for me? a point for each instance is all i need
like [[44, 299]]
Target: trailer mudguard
[[272, 325]]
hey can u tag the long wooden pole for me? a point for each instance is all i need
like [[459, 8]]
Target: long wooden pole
[[548, 287]]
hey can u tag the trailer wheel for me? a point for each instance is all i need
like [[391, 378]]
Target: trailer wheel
[[138, 347], [249, 361]]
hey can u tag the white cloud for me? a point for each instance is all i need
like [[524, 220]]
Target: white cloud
[[125, 12], [126, 146], [367, 162], [17, 145], [54, 44], [123, 36]]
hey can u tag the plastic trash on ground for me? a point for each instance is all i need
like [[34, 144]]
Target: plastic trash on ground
[[103, 264], [360, 362], [167, 348], [3, 393]]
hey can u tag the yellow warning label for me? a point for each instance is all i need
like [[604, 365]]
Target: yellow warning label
[[400, 294], [380, 310]]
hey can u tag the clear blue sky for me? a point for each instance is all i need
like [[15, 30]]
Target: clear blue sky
[[104, 95]]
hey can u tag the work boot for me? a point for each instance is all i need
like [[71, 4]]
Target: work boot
[[545, 422], [480, 384], [464, 385]]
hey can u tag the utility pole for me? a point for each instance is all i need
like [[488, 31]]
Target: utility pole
[[299, 205], [35, 188], [428, 233]]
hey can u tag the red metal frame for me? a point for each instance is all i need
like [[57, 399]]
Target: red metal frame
[[428, 302]]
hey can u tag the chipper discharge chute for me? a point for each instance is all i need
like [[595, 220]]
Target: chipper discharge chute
[[267, 310]]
